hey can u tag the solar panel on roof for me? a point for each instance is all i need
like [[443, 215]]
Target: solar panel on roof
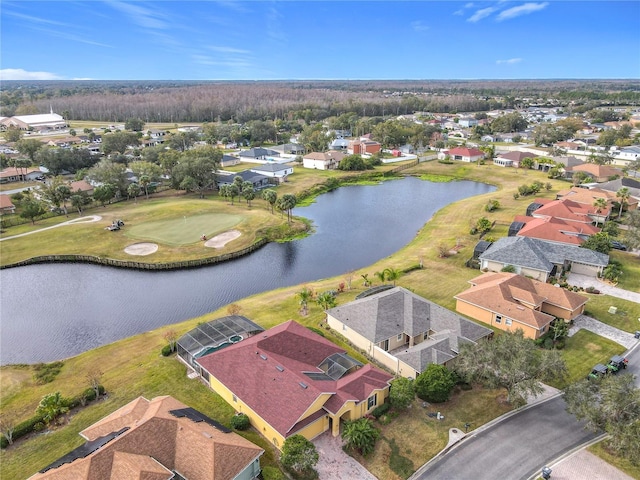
[[197, 417]]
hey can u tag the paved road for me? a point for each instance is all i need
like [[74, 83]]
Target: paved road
[[514, 448]]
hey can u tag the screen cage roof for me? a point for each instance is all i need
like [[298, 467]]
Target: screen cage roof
[[217, 332]]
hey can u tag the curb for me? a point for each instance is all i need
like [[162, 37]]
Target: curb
[[568, 454], [482, 428]]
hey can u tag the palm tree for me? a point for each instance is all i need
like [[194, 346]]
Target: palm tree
[[360, 435], [623, 195], [270, 197], [326, 300], [381, 276], [305, 295], [392, 274], [51, 406], [144, 181], [599, 204], [286, 203]]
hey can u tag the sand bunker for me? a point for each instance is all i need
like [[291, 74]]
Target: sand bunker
[[141, 249], [221, 240]]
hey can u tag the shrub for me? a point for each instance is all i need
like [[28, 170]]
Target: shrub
[[46, 372], [39, 427], [516, 196], [316, 330], [240, 422], [166, 351], [548, 343], [435, 383], [380, 410], [560, 344]]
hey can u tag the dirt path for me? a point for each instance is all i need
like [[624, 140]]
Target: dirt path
[[87, 219]]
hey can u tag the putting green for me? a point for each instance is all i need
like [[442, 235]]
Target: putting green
[[183, 230]]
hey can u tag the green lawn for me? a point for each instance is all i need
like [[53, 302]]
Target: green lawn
[[630, 278], [582, 351], [183, 230], [625, 318], [600, 449], [133, 366]]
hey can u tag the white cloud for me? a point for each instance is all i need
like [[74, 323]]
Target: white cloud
[[20, 74], [418, 26], [228, 50], [524, 9], [144, 17], [510, 61], [32, 19], [480, 14]]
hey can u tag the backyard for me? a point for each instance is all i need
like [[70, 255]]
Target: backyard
[[128, 374]]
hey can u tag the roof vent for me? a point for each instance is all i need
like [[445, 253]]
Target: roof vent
[[303, 385], [206, 434], [264, 357], [279, 368]]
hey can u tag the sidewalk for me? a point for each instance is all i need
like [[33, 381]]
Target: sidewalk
[[584, 464]]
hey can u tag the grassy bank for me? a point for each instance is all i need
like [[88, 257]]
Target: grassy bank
[[133, 366]]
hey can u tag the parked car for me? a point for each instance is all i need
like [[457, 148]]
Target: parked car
[[598, 371], [617, 363], [618, 246]]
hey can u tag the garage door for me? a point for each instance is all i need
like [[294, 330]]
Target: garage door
[[583, 269]]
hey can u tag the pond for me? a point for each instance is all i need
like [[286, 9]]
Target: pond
[[54, 311]]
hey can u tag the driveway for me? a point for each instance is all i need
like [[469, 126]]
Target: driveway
[[585, 281], [334, 464], [625, 339]]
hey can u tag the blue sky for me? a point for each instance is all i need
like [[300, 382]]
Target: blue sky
[[265, 40]]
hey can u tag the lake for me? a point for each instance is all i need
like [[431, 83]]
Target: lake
[[54, 311]]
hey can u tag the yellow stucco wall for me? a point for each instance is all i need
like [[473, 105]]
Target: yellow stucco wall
[[561, 312], [488, 317]]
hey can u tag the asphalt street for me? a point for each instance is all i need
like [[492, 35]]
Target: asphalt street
[[514, 448]]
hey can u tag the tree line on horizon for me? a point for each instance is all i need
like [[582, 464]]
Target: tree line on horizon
[[180, 102]]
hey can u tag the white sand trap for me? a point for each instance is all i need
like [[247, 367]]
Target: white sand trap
[[141, 249], [221, 240]]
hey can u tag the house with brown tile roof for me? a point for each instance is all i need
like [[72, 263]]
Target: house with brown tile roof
[[571, 211], [13, 174], [589, 195], [81, 186], [289, 380], [323, 160], [512, 159], [403, 331], [159, 439], [599, 173], [509, 301], [462, 154]]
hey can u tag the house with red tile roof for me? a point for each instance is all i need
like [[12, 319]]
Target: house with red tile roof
[[289, 380], [159, 439], [6, 205], [363, 146], [462, 154], [553, 229], [509, 301]]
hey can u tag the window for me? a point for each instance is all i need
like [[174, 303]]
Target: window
[[507, 321], [400, 337], [235, 399], [344, 327], [371, 402], [498, 318]]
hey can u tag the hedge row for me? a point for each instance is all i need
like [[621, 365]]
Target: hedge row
[[36, 423]]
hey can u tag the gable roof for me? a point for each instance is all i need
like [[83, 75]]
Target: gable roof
[[151, 440], [5, 202], [515, 296], [277, 374], [516, 155], [466, 152], [539, 254], [394, 311], [271, 168], [567, 209], [595, 170], [555, 229]]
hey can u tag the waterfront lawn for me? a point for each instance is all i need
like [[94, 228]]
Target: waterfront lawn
[[132, 367], [582, 351], [185, 230], [626, 317]]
